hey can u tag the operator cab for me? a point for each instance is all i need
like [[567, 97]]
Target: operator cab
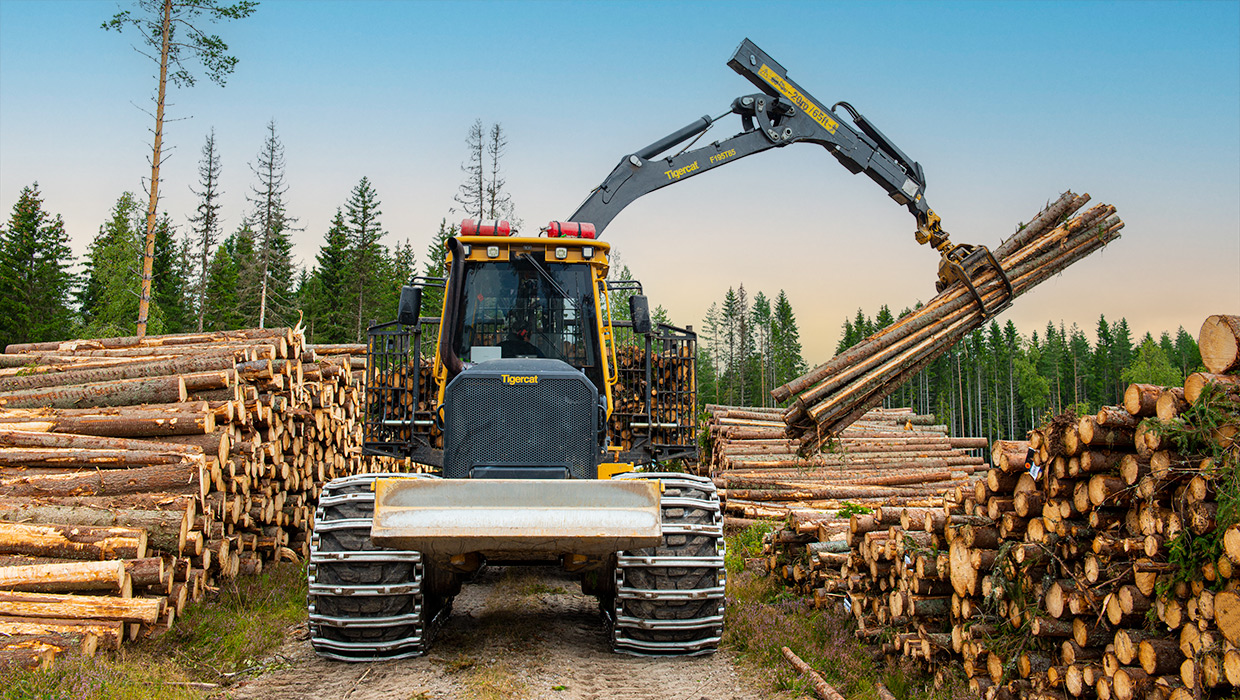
[[524, 307]]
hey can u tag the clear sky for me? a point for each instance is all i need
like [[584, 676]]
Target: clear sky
[[1005, 104]]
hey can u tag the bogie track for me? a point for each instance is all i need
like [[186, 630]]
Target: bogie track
[[669, 599], [368, 603]]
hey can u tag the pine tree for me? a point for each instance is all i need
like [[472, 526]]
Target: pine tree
[[482, 195], [244, 251], [36, 285], [206, 223], [760, 320], [274, 248], [471, 195], [174, 26], [498, 200]]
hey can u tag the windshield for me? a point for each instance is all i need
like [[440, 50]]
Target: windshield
[[526, 308]]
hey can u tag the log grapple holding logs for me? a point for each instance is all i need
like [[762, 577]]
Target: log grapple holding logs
[[832, 395]]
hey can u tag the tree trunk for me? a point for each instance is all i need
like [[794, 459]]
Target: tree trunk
[[72, 541], [1219, 342], [62, 578], [80, 607], [125, 392]]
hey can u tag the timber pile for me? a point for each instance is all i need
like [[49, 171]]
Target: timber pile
[[890, 456], [1101, 572], [831, 396], [673, 397], [136, 474]]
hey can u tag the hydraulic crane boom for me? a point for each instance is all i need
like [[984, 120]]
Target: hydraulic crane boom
[[782, 114]]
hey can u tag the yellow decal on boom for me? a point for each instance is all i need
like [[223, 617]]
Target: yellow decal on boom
[[722, 156], [675, 174], [512, 380], [815, 112]]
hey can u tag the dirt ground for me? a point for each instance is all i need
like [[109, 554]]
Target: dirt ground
[[513, 633]]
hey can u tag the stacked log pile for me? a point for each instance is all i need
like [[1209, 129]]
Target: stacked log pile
[[831, 396], [1109, 569], [890, 456], [138, 473], [673, 396]]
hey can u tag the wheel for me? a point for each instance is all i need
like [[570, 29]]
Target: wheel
[[366, 603], [669, 599]]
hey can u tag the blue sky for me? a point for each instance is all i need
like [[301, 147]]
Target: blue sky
[[1005, 104]]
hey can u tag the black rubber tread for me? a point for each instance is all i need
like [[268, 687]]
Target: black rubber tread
[[694, 504], [333, 534]]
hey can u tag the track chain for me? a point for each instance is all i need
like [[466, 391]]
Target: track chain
[[670, 599], [366, 603]]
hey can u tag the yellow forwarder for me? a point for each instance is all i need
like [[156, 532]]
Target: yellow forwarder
[[521, 392]]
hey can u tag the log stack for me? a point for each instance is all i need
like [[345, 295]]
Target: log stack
[[672, 388], [1109, 569], [890, 457], [136, 474], [833, 395]]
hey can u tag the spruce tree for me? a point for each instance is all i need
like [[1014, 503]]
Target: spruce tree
[[113, 287], [436, 266], [36, 285], [273, 246], [205, 224], [786, 342], [364, 231], [221, 308], [330, 286]]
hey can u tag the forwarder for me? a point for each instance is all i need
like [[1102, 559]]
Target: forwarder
[[522, 390]]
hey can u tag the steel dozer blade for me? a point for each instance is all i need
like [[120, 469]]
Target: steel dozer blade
[[516, 518], [964, 263]]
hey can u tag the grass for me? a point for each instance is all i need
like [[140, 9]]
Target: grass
[[762, 617], [215, 642]]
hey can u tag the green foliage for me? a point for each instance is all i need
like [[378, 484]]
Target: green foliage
[[849, 509], [186, 40], [753, 347], [1152, 366], [109, 299], [36, 285]]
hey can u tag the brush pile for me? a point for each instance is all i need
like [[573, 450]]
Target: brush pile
[[1099, 559], [137, 473], [833, 395]]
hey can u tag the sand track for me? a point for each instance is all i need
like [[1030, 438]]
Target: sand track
[[514, 633]]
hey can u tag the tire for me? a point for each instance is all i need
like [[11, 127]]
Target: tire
[[366, 603], [669, 599]]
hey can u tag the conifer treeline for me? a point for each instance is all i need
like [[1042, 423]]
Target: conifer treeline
[[746, 348]]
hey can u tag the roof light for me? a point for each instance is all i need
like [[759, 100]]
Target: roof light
[[492, 251], [492, 227], [570, 229], [587, 252], [561, 253]]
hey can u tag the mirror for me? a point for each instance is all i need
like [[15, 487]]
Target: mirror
[[408, 310], [639, 313]]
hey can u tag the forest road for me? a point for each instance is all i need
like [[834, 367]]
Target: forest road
[[517, 632]]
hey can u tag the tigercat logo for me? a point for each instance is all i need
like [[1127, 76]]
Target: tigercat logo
[[513, 380], [678, 172]]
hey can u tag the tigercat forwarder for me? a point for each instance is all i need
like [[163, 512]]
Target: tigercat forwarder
[[521, 392]]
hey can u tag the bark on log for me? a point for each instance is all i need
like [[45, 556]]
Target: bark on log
[[820, 685], [20, 604], [64, 578], [183, 364], [126, 392], [72, 542], [183, 477]]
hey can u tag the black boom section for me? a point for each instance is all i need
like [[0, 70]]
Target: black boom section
[[521, 418]]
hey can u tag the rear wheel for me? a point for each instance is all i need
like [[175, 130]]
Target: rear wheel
[[669, 599], [366, 602]]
